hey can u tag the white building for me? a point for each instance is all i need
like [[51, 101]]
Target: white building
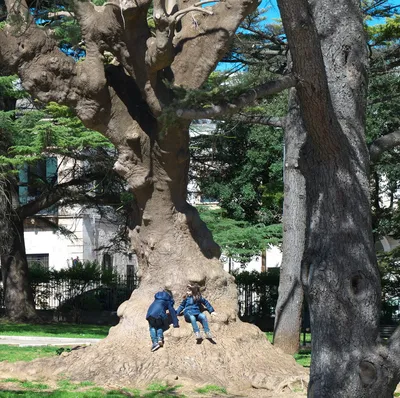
[[89, 234]]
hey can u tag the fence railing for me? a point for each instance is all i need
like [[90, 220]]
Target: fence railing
[[256, 295], [70, 294]]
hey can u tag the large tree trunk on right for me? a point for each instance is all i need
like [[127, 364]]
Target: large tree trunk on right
[[18, 298], [339, 270], [288, 314]]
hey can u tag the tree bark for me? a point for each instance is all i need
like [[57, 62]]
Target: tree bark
[[339, 271], [288, 314], [18, 298]]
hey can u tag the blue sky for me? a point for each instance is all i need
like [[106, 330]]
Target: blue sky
[[273, 12]]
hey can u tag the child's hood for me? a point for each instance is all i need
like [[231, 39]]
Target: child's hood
[[163, 296]]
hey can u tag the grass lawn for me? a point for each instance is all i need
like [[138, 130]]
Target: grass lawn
[[54, 330], [67, 389], [303, 358], [13, 353]]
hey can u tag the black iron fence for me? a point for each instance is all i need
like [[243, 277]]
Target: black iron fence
[[257, 297], [66, 295], [257, 294]]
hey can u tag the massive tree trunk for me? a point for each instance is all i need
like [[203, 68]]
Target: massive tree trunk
[[339, 271], [131, 103], [288, 314], [18, 298]]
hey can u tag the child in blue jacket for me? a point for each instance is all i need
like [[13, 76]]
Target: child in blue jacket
[[192, 313], [157, 316]]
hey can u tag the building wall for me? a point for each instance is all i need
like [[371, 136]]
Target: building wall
[[90, 232], [273, 257]]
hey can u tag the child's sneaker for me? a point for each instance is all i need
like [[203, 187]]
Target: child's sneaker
[[198, 336], [160, 343], [155, 347], [209, 335]]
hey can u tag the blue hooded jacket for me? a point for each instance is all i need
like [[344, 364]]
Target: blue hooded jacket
[[192, 307], [158, 308]]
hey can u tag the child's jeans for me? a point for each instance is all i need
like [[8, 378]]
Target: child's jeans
[[156, 328], [201, 318]]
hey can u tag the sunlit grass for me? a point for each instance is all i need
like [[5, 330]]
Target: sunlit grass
[[69, 389], [54, 330], [211, 389], [14, 353], [303, 358]]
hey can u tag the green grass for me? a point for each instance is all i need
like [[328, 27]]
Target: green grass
[[14, 353], [35, 386], [54, 330], [211, 388], [65, 394], [64, 390], [270, 337], [303, 358]]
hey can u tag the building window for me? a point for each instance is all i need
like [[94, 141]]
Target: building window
[[38, 259], [33, 178], [107, 262]]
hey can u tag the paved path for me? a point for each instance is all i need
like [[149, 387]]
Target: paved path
[[26, 341]]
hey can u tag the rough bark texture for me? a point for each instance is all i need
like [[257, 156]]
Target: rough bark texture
[[18, 298], [127, 102], [289, 308], [339, 271]]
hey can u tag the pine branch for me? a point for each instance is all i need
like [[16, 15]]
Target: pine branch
[[382, 144], [261, 91], [272, 121]]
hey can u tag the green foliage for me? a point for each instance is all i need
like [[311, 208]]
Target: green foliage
[[386, 33], [389, 267], [383, 118], [242, 170], [239, 240], [54, 129], [9, 88], [258, 280]]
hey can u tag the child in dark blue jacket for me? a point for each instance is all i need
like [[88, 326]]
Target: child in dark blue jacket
[[157, 316], [192, 313]]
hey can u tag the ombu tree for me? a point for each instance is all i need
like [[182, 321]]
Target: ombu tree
[[128, 101]]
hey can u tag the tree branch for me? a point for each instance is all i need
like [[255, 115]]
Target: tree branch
[[272, 121], [216, 111], [196, 59], [48, 199], [160, 52], [382, 144]]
